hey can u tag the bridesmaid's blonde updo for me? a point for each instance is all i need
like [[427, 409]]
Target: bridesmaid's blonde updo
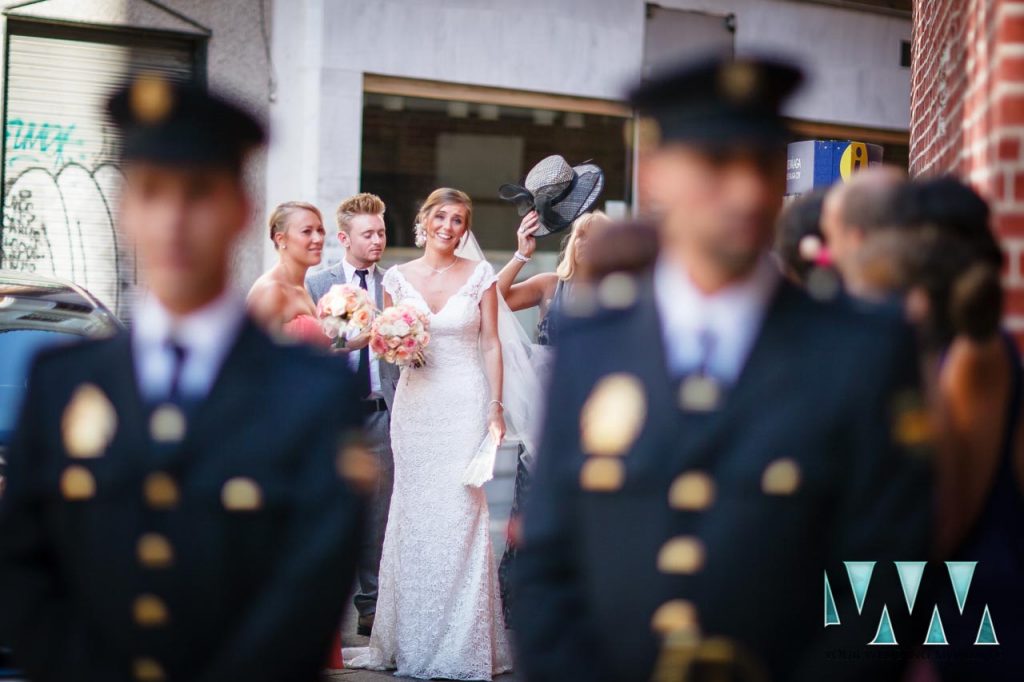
[[438, 198], [278, 221]]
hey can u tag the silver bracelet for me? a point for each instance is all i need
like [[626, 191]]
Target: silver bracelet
[[520, 257], [498, 403]]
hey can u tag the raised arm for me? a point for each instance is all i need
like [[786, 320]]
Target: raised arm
[[490, 345], [534, 290]]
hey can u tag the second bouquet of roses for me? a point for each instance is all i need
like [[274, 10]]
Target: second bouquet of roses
[[345, 311]]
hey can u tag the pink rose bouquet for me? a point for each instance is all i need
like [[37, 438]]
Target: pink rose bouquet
[[345, 311], [400, 334]]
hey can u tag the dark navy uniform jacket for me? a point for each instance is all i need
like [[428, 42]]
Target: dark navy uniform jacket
[[219, 546], [719, 526]]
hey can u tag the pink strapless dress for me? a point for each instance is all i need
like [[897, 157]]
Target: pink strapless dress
[[307, 329]]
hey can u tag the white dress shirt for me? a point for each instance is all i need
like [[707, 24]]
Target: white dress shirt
[[371, 287], [206, 335], [731, 317]]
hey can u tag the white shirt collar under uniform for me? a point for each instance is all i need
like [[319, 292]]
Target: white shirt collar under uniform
[[729, 318], [207, 336]]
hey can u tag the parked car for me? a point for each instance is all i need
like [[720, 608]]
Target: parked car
[[37, 312]]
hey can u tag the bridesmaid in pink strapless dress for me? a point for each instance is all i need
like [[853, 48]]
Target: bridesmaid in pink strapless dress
[[279, 298]]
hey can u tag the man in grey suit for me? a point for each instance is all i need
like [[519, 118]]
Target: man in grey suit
[[361, 232]]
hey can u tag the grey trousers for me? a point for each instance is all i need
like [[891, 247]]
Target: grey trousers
[[378, 429]]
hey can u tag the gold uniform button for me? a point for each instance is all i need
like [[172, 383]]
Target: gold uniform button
[[681, 555], [613, 415], [717, 650], [241, 494], [583, 302], [148, 670], [167, 424], [617, 291], [675, 616], [693, 491], [77, 483], [699, 393], [738, 81], [160, 491], [781, 477], [602, 474], [88, 423], [151, 98], [913, 427], [155, 551], [356, 464], [150, 611]]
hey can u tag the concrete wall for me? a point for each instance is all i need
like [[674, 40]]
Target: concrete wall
[[589, 48], [852, 57], [236, 64]]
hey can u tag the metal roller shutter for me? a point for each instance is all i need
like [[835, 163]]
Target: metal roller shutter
[[60, 174]]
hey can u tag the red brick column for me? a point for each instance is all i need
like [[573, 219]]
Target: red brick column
[[967, 113]]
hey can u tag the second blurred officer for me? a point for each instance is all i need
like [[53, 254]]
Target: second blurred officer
[[694, 483]]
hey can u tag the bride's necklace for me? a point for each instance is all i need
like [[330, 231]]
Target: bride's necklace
[[443, 270]]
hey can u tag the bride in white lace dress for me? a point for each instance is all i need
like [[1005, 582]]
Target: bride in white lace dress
[[438, 610]]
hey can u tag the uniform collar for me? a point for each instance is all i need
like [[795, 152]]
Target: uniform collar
[[733, 315], [210, 328]]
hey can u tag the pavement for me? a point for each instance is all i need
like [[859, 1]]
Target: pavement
[[350, 638]]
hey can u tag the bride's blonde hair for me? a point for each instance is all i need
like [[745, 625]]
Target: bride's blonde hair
[[438, 198]]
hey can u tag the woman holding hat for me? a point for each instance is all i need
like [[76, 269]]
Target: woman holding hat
[[554, 197], [548, 291]]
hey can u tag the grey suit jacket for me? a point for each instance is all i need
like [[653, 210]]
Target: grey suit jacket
[[318, 283]]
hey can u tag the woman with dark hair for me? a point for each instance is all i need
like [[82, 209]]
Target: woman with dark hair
[[949, 263], [799, 242]]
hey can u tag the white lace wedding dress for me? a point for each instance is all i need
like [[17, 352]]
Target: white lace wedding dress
[[438, 607]]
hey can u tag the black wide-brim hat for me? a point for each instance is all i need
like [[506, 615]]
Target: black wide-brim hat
[[720, 101], [560, 193]]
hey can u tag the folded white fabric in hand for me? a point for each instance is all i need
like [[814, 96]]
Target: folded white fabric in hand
[[481, 468]]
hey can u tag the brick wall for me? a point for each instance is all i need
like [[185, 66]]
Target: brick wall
[[967, 113]]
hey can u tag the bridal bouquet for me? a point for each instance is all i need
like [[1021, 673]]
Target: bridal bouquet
[[345, 312], [400, 334]]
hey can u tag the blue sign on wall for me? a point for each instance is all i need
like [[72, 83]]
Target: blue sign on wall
[[812, 164]]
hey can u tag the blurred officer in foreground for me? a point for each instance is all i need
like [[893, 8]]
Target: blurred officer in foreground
[[716, 439], [178, 506]]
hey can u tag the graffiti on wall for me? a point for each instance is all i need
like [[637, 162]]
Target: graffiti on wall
[[58, 216]]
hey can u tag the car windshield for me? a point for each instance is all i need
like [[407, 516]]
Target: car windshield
[[18, 347]]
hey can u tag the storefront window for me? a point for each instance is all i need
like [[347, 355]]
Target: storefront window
[[412, 145]]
